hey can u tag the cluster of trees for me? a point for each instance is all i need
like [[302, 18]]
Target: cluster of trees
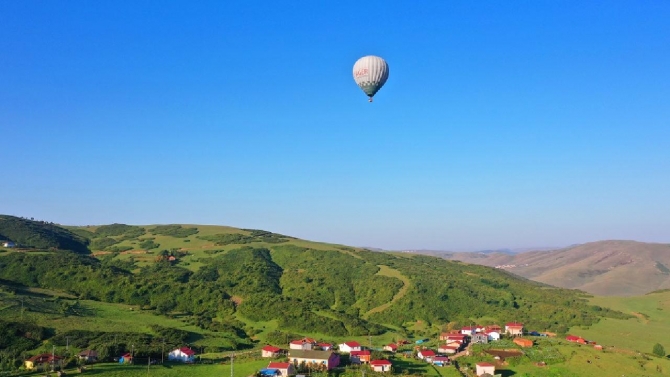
[[40, 235], [176, 231], [223, 239]]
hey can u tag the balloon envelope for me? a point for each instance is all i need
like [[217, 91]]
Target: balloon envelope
[[370, 74]]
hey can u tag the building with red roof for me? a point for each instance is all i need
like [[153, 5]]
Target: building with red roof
[[347, 347], [358, 357], [183, 354], [426, 355], [285, 369], [514, 328], [381, 365], [483, 368], [270, 351], [390, 347]]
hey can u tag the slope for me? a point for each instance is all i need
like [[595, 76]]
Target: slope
[[607, 268], [40, 235]]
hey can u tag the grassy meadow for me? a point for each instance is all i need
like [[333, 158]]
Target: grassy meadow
[[651, 324]]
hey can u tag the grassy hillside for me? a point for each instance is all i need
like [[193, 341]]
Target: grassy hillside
[[604, 268], [40, 235], [224, 288], [650, 324]]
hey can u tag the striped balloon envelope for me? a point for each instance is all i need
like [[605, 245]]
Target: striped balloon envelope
[[370, 74]]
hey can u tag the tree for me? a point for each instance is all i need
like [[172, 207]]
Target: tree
[[658, 350]]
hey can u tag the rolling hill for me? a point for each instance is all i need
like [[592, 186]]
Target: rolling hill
[[606, 268], [40, 235], [237, 281]]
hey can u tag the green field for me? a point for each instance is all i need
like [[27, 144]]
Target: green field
[[650, 326]]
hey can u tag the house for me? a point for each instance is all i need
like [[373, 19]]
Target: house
[[457, 337], [88, 356], [493, 335], [347, 347], [381, 365], [43, 359], [448, 350], [495, 328], [469, 330], [479, 328], [480, 338], [270, 351], [440, 361], [514, 328], [328, 358], [325, 346], [183, 354], [126, 359], [483, 368], [523, 342], [8, 244], [426, 355], [303, 344], [284, 369], [390, 347], [598, 347], [359, 357]]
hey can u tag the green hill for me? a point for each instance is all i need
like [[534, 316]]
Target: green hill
[[227, 279], [40, 235]]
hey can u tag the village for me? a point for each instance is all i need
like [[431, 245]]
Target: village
[[307, 355]]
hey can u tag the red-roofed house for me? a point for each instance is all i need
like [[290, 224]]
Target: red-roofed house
[[45, 360], [381, 365], [358, 357], [183, 354], [426, 355], [440, 361], [514, 328], [483, 368], [575, 339], [468, 330], [390, 347], [270, 351], [347, 347], [458, 337], [286, 369], [495, 328], [325, 346], [303, 344]]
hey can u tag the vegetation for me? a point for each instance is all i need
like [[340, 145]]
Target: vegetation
[[658, 350], [40, 235]]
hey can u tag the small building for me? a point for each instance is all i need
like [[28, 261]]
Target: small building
[[495, 328], [183, 354], [598, 347], [457, 337], [359, 357], [270, 351], [483, 368], [525, 343], [514, 328], [381, 365], [469, 330], [440, 361], [347, 347], [328, 358], [325, 346], [284, 369], [493, 335], [426, 355], [303, 344], [390, 347], [44, 361], [88, 356], [576, 339], [480, 338], [8, 244]]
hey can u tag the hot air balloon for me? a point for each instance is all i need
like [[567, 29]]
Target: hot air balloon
[[370, 74]]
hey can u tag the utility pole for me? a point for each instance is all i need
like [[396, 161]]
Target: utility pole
[[232, 356], [132, 353], [67, 343], [53, 358], [163, 352], [22, 298], [148, 363]]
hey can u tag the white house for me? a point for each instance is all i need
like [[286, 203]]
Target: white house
[[426, 355], [493, 335], [347, 347], [183, 354], [381, 365], [483, 368], [468, 330]]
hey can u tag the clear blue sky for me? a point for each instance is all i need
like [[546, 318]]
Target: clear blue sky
[[502, 124]]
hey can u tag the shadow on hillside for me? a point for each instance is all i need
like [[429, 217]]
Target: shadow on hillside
[[506, 373]]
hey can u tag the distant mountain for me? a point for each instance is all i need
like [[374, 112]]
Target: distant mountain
[[40, 235], [609, 268]]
